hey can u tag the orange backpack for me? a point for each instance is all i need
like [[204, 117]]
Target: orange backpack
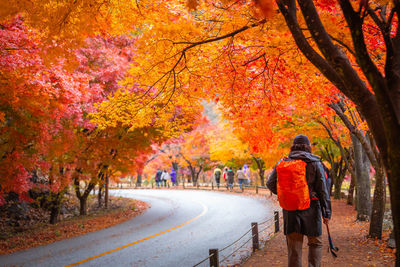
[[292, 187]]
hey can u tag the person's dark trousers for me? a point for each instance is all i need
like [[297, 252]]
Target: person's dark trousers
[[217, 180], [295, 246]]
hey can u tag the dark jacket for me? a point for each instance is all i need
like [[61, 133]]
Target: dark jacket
[[307, 222], [231, 176], [158, 175]]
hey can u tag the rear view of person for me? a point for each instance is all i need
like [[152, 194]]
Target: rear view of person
[[300, 183], [241, 178], [158, 178], [217, 176], [165, 177], [246, 172], [225, 174], [230, 174], [173, 177]]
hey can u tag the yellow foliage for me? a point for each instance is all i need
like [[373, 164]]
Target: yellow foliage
[[169, 114], [224, 145]]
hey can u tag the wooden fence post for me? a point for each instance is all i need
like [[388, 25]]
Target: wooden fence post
[[214, 262], [254, 231], [276, 215]]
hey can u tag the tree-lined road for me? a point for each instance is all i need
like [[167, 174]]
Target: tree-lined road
[[177, 230]]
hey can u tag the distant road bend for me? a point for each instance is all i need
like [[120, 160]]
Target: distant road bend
[[178, 230]]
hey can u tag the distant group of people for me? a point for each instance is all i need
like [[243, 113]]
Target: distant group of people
[[229, 176], [163, 177]]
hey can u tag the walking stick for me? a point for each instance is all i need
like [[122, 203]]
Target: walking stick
[[331, 248]]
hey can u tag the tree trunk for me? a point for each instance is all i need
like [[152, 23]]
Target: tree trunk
[[55, 206], [340, 173], [193, 175], [335, 179], [338, 188], [332, 182], [83, 197], [175, 165], [198, 174], [261, 169], [139, 180], [362, 167], [378, 205], [83, 206], [54, 212], [350, 196], [261, 174], [99, 195], [393, 174], [106, 192]]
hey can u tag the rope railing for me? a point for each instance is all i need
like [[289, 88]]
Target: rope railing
[[237, 240], [265, 228], [197, 264], [262, 187], [237, 249], [214, 262], [261, 223]]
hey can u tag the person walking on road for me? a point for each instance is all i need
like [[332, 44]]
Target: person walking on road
[[246, 174], [300, 183], [224, 174], [165, 177], [158, 178], [173, 176], [217, 176], [241, 178], [230, 176]]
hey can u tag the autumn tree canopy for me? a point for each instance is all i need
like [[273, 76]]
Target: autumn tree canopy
[[137, 71]]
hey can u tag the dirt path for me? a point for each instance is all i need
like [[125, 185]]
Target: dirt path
[[348, 235]]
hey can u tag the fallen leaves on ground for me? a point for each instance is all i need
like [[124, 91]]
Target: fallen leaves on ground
[[122, 209]]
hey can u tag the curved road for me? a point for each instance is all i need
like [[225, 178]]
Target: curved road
[[178, 230]]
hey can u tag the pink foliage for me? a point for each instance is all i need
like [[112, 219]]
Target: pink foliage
[[45, 107], [43, 104]]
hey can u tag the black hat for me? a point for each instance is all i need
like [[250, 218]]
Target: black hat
[[301, 139]]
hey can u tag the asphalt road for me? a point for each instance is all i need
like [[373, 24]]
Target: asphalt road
[[178, 230]]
